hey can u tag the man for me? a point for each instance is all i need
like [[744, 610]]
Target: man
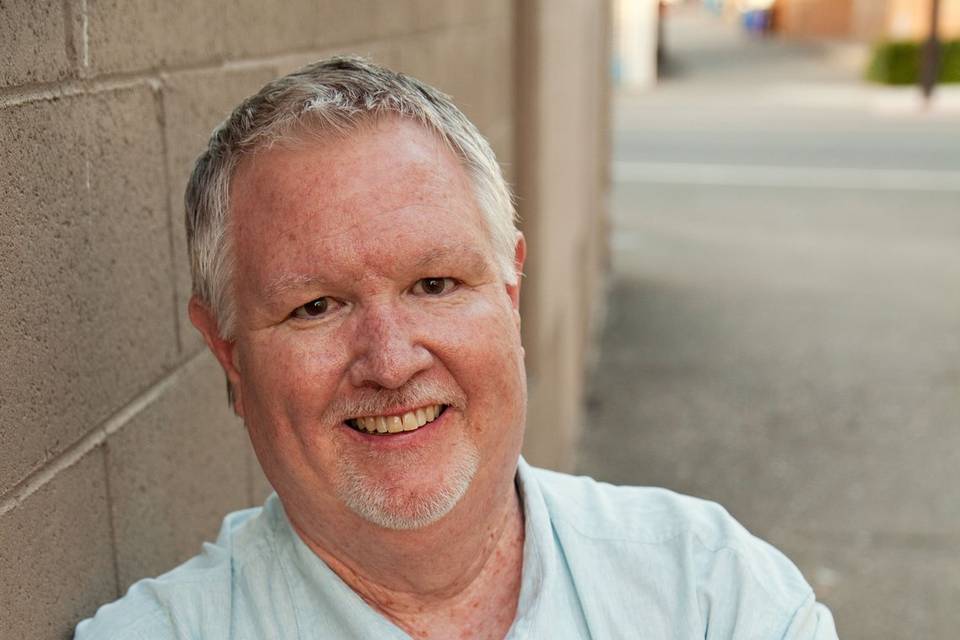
[[357, 274]]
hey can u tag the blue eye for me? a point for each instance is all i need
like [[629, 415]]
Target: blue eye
[[435, 286]]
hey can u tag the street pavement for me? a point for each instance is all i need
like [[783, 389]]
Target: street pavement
[[783, 319]]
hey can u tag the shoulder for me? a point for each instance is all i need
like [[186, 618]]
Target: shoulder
[[656, 541], [194, 599], [640, 514]]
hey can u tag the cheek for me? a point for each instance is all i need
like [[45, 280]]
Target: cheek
[[482, 334], [291, 373], [484, 312], [485, 356]]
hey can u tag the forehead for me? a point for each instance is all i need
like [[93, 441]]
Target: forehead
[[389, 188]]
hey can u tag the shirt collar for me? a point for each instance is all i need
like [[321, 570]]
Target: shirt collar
[[539, 564]]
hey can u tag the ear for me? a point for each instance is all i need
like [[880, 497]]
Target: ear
[[520, 254], [205, 321]]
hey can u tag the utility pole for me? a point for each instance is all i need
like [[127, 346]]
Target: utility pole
[[930, 64]]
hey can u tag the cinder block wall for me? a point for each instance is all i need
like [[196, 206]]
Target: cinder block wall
[[118, 455]]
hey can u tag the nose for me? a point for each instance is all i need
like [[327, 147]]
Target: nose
[[388, 352]]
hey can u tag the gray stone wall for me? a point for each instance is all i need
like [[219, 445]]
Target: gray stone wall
[[118, 455]]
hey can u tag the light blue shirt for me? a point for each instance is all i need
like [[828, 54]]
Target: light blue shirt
[[599, 562]]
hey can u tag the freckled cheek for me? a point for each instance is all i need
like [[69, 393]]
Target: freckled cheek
[[297, 373], [486, 358], [483, 321]]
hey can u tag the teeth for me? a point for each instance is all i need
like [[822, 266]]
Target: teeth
[[410, 421]]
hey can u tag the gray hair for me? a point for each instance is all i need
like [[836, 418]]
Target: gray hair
[[333, 96]]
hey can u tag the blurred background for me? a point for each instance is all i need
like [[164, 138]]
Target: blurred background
[[783, 329], [743, 221]]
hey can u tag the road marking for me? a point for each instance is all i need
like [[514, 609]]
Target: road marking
[[799, 177]]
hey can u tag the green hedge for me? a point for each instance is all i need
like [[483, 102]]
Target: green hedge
[[899, 62]]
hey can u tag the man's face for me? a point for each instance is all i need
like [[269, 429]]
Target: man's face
[[368, 298]]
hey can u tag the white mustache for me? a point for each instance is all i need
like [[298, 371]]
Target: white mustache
[[416, 393]]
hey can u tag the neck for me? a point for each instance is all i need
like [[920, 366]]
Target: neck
[[460, 574]]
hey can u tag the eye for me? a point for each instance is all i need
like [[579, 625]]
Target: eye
[[315, 308], [434, 286]]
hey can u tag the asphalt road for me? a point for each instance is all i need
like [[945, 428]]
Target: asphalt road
[[783, 330]]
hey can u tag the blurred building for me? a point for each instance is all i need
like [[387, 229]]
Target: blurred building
[[864, 19]]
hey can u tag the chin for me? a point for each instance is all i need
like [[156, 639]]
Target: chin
[[403, 506]]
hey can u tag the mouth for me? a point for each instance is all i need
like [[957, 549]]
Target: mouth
[[386, 425]]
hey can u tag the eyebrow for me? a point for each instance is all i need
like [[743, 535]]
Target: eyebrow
[[290, 282], [475, 262]]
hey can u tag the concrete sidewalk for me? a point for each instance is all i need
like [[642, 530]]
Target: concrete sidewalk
[[784, 318]]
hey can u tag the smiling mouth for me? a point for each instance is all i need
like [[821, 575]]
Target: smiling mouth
[[409, 421]]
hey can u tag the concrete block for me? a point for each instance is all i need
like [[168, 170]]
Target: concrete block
[[383, 52], [193, 104], [88, 319], [432, 14], [498, 10], [404, 17], [175, 470], [56, 555], [428, 15], [33, 42], [482, 80], [495, 52], [171, 34], [392, 17], [500, 137], [465, 64], [420, 56], [257, 28], [447, 60], [349, 21], [131, 35]]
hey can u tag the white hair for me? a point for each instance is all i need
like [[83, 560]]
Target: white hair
[[392, 507], [330, 97]]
